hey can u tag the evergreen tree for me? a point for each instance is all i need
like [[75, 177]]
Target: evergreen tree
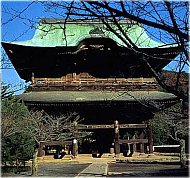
[[17, 145]]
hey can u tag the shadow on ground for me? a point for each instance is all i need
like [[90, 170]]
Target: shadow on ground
[[146, 170]]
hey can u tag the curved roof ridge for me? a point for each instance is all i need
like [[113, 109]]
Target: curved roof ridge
[[57, 34]]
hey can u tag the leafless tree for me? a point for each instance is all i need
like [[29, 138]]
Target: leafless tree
[[43, 127], [8, 90], [164, 21], [16, 118]]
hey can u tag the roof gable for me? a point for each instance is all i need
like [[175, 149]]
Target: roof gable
[[55, 32]]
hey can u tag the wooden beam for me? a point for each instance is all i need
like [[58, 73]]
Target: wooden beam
[[111, 126], [107, 126], [50, 143], [124, 126], [132, 141]]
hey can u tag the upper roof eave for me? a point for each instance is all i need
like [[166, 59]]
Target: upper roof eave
[[82, 21]]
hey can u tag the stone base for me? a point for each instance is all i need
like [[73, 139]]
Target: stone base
[[151, 154]]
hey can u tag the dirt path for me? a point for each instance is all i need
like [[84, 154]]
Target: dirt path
[[108, 166], [146, 170]]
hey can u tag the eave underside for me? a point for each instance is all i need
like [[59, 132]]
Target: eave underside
[[59, 61], [100, 107]]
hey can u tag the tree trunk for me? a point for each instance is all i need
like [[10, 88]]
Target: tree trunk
[[35, 164], [183, 157]]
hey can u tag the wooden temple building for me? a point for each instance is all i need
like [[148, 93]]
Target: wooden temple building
[[82, 67]]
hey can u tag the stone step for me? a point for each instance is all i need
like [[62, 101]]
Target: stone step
[[94, 170]]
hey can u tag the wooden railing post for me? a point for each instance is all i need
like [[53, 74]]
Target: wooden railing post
[[134, 144], [75, 148], [75, 141], [150, 136], [116, 140], [142, 144]]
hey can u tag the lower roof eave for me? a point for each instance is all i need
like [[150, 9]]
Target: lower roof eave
[[95, 96], [166, 102]]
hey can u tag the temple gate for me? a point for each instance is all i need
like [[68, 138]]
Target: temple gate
[[93, 73]]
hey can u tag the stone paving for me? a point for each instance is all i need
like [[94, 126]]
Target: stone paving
[[61, 170], [95, 170]]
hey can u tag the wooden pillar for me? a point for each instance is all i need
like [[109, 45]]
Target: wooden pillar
[[75, 141], [75, 148], [41, 152], [142, 144], [33, 79], [116, 140], [150, 136], [134, 144]]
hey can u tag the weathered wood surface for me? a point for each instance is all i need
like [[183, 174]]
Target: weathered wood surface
[[84, 81], [150, 136], [56, 142], [87, 78], [116, 138], [106, 126], [142, 144], [132, 141]]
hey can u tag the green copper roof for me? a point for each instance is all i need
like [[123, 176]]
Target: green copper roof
[[52, 34], [93, 96]]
